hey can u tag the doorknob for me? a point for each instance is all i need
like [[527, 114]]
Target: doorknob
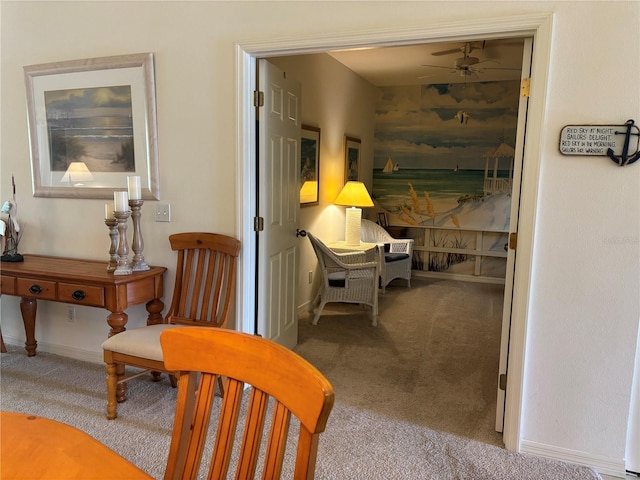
[[301, 233]]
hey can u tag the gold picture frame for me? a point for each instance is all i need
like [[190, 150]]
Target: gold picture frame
[[309, 166], [351, 159]]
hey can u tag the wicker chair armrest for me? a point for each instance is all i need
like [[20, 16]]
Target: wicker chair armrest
[[349, 258], [401, 245]]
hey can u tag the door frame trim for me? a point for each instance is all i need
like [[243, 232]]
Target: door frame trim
[[538, 26]]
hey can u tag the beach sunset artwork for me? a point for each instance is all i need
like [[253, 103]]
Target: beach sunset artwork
[[91, 125]]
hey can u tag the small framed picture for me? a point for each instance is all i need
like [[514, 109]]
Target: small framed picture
[[351, 159], [309, 166]]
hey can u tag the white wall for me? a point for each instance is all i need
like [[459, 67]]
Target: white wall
[[340, 103], [584, 305]]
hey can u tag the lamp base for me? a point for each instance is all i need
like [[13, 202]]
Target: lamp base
[[352, 226]]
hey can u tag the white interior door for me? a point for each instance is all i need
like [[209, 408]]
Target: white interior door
[[513, 229], [278, 177]]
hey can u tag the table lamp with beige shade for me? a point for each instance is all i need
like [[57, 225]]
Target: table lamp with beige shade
[[353, 195]]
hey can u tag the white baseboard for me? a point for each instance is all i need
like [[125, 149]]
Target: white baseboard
[[603, 465], [62, 350]]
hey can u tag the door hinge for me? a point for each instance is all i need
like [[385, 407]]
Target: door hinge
[[258, 98], [513, 240], [502, 382], [525, 87], [258, 224]]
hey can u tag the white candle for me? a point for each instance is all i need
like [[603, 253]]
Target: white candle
[[108, 210], [135, 192], [121, 201]]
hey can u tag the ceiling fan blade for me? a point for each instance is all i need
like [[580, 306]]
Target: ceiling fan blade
[[436, 66], [501, 68], [446, 52]]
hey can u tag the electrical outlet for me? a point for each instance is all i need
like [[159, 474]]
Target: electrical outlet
[[163, 212], [71, 315]]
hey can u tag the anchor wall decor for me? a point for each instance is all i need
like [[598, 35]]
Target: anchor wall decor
[[621, 143]]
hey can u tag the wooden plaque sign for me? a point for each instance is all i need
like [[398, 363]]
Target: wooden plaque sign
[[621, 143], [592, 139]]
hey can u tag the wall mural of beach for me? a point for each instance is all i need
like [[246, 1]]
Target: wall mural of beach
[[434, 160]]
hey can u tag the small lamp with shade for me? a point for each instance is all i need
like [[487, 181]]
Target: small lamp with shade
[[353, 195]]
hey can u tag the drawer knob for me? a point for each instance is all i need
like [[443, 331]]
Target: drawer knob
[[78, 295], [35, 289]]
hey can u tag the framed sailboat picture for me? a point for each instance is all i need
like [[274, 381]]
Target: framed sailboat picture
[[351, 159], [309, 165]]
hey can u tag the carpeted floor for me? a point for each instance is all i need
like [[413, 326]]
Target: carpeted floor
[[415, 397]]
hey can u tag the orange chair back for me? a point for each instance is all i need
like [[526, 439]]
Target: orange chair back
[[201, 356]]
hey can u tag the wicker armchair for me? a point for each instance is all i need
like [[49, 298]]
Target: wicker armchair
[[397, 253], [346, 278]]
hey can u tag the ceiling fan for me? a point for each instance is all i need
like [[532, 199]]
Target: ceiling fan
[[466, 66]]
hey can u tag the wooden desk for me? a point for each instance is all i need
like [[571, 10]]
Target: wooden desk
[[38, 448], [80, 282]]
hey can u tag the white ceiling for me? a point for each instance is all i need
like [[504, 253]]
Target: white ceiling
[[397, 66]]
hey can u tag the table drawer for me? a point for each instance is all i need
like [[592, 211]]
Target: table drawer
[[81, 294], [34, 288], [8, 285]]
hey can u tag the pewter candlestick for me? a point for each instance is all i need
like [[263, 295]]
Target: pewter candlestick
[[137, 244], [123, 247], [113, 248]]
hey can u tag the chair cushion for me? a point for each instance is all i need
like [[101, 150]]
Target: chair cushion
[[336, 279], [395, 257], [140, 342]]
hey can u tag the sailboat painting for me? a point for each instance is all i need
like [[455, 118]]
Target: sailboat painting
[[390, 167]]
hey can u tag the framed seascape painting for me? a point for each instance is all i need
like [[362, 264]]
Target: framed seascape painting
[[309, 166], [92, 123], [351, 159]]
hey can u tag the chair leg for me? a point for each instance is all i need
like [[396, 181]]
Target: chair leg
[[316, 317], [112, 383], [3, 348]]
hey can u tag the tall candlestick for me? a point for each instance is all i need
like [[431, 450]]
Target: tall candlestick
[[112, 224], [121, 201], [135, 192], [123, 267], [137, 245]]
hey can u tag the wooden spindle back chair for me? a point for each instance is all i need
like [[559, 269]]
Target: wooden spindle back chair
[[200, 356], [203, 295]]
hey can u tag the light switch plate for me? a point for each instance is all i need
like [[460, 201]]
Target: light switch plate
[[163, 212]]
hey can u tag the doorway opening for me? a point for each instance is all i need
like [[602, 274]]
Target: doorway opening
[[534, 26]]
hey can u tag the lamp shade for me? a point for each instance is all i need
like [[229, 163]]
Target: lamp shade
[[77, 172], [354, 194]]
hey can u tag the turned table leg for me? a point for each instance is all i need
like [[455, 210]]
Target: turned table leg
[[117, 322], [28, 307]]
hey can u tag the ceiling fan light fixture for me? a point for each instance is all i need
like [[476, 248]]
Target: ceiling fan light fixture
[[466, 61]]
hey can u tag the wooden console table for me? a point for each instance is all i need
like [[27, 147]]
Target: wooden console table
[[80, 282]]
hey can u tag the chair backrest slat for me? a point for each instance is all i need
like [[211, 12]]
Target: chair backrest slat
[[273, 372], [205, 279], [253, 431]]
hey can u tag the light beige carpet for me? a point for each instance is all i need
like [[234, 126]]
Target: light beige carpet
[[415, 397]]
